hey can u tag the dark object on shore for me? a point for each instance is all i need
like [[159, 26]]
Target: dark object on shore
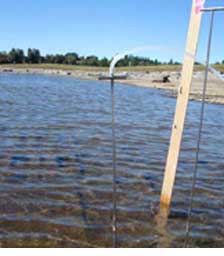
[[5, 70], [69, 73], [165, 80]]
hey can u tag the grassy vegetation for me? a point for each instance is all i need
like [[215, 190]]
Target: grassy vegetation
[[90, 68], [102, 69], [54, 66], [219, 67]]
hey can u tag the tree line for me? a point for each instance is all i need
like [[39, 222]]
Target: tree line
[[33, 56]]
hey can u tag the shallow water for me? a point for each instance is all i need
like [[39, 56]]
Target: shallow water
[[56, 168]]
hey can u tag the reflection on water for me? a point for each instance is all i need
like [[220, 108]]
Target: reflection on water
[[56, 168]]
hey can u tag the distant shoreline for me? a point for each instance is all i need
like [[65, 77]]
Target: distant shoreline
[[151, 77]]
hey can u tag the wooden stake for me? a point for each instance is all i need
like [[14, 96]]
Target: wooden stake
[[181, 108]]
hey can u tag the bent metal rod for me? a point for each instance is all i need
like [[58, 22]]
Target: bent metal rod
[[112, 78]]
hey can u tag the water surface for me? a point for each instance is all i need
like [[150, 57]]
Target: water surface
[[56, 166]]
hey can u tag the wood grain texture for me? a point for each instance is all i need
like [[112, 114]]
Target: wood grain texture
[[181, 108]]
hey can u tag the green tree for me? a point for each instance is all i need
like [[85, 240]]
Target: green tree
[[82, 61], [59, 59], [4, 58], [124, 62], [71, 58], [104, 62], [170, 62], [133, 60], [92, 61], [49, 58], [16, 56], [33, 56]]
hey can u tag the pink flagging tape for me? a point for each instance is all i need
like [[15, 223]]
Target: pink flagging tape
[[199, 6]]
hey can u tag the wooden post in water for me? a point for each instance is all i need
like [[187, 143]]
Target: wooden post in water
[[182, 103]]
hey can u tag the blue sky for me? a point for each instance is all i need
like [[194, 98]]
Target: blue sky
[[105, 27]]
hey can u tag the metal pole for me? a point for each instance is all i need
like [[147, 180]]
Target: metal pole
[[213, 9], [188, 226], [112, 78], [114, 218]]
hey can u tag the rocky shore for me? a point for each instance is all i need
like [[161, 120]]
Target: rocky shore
[[166, 80]]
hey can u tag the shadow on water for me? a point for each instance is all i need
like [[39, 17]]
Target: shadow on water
[[82, 200], [62, 162], [161, 221]]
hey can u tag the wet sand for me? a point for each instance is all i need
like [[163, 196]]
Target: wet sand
[[215, 90]]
